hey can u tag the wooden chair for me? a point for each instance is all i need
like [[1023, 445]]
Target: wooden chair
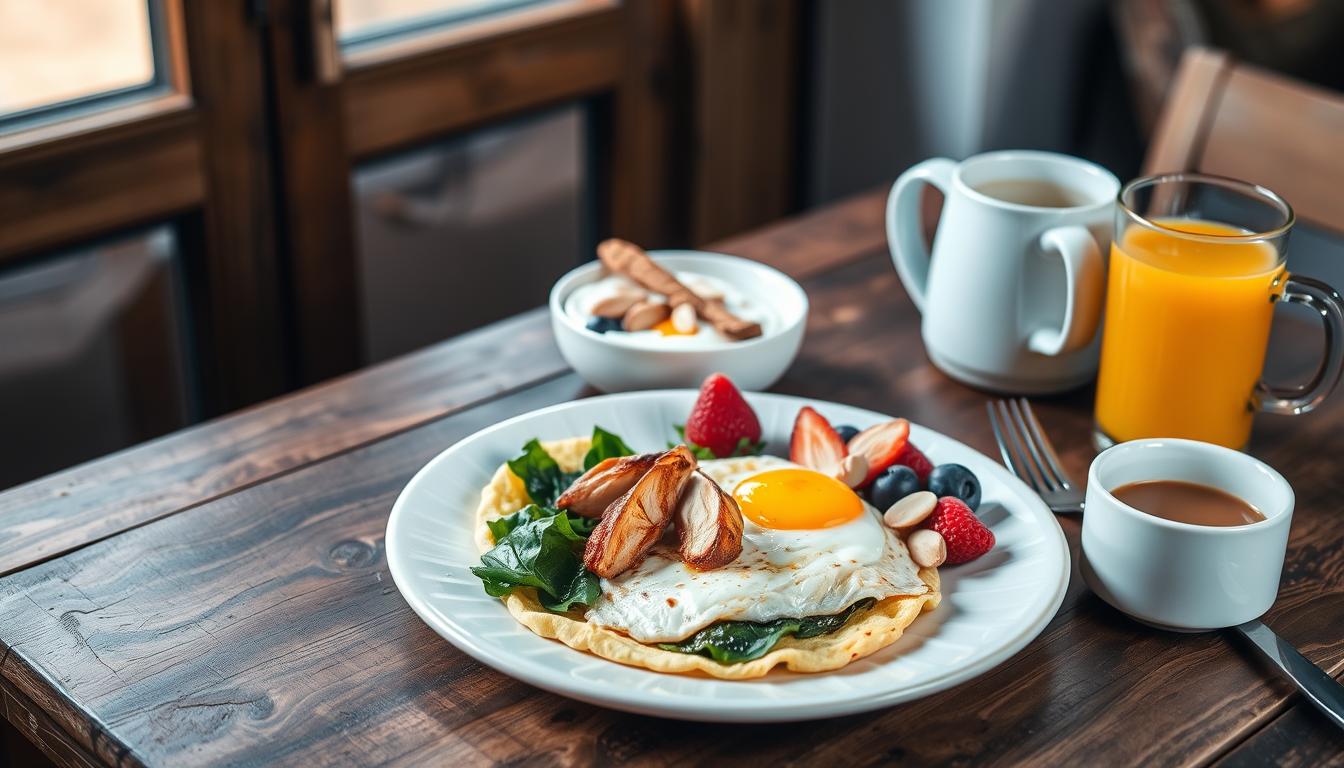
[[1240, 121], [1236, 120]]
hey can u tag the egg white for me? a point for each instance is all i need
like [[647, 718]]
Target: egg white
[[780, 573]]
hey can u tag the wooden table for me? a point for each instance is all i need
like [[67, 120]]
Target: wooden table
[[221, 595]]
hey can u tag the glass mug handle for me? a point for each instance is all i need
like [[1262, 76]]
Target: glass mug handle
[[1324, 301]]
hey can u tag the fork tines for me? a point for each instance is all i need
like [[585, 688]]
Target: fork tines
[[1028, 454]]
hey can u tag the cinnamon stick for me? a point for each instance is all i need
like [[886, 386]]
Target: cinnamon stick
[[626, 258]]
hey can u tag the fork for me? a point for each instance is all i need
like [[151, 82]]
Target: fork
[[1028, 454]]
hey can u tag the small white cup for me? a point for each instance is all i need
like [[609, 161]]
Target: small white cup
[[1176, 575]]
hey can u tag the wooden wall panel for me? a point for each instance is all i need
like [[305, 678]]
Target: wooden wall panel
[[646, 185], [745, 84]]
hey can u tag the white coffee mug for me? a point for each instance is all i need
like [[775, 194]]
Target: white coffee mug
[[1179, 575], [1012, 294]]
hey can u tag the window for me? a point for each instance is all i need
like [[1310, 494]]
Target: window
[[95, 353], [359, 21], [59, 56], [474, 229], [320, 177]]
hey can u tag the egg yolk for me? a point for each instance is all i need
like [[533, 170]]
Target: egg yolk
[[668, 329], [796, 499]]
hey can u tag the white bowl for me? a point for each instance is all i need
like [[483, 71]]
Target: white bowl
[[616, 362]]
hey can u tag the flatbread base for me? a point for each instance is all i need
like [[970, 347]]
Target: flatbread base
[[868, 631]]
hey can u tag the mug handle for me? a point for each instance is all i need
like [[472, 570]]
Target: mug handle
[[1083, 283], [904, 235], [1324, 301]]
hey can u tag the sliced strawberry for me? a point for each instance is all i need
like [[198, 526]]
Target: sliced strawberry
[[880, 445], [815, 443]]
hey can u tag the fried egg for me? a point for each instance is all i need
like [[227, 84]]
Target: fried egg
[[810, 547]]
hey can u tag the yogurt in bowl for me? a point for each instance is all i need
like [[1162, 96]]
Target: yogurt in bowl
[[579, 306], [617, 361]]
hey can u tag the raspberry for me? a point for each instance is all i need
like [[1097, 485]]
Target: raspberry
[[915, 459], [967, 538]]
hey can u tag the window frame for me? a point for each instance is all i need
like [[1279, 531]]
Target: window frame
[[417, 89], [165, 50], [188, 153]]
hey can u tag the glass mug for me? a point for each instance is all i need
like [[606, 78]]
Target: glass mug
[[1197, 264]]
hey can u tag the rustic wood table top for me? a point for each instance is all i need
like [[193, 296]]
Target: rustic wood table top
[[221, 595]]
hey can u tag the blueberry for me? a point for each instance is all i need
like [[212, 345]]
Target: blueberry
[[895, 483], [955, 480], [845, 432], [604, 324]]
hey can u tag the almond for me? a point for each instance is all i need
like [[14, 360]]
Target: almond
[[853, 469], [911, 510], [643, 315], [617, 305], [927, 548], [683, 318]]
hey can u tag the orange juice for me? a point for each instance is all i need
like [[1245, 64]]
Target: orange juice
[[1187, 324]]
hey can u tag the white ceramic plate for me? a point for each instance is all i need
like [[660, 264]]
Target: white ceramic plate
[[991, 607]]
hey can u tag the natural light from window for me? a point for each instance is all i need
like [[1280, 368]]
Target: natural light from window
[[360, 19], [53, 51]]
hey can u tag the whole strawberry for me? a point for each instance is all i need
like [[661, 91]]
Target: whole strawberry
[[721, 421], [915, 459], [967, 538]]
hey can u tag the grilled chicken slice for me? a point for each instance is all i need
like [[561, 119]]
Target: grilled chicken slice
[[709, 524], [638, 518], [593, 492]]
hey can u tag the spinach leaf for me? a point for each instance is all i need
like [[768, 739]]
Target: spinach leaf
[[583, 590], [605, 446], [540, 553], [731, 642], [541, 476], [537, 546], [815, 626], [503, 526]]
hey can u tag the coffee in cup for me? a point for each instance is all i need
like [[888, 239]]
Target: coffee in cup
[[1186, 502], [1038, 193]]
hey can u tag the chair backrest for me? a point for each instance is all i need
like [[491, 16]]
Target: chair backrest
[[1235, 120]]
